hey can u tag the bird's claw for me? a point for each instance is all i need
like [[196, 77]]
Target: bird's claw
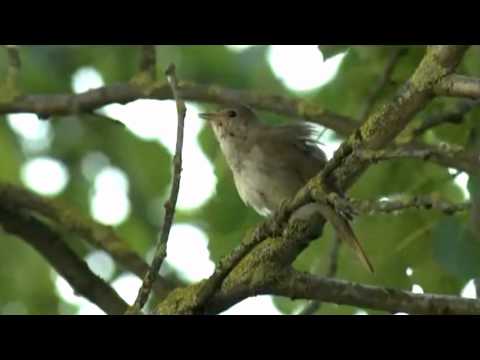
[[341, 205]]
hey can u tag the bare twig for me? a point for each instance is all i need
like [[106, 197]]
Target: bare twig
[[447, 155], [407, 202], [148, 61], [454, 117], [14, 63], [459, 85], [382, 83], [63, 259], [161, 246]]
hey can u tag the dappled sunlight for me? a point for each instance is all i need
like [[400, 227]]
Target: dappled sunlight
[[257, 305], [157, 120], [187, 253], [101, 263], [35, 135], [127, 285], [417, 289], [461, 180], [238, 48], [109, 203], [86, 78], [301, 67], [45, 176], [360, 312], [469, 290]]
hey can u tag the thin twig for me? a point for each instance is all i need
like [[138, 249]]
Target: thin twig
[[315, 305], [382, 83], [63, 259], [14, 63], [448, 155], [161, 247], [416, 202], [148, 61], [454, 117]]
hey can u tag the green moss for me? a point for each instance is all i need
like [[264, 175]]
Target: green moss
[[180, 299], [308, 109]]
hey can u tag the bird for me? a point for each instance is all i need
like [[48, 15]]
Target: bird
[[271, 163]]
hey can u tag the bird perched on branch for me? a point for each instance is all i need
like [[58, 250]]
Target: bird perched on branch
[[270, 164]]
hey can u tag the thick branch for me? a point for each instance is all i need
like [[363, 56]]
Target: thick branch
[[63, 260], [459, 85], [300, 285], [16, 198], [48, 105], [380, 129]]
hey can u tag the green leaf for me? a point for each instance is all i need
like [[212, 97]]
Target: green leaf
[[456, 250]]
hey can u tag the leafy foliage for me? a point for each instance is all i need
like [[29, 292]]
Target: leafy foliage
[[442, 251]]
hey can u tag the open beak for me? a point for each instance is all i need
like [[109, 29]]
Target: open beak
[[210, 116]]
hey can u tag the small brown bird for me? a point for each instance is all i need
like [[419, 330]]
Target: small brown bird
[[270, 164]]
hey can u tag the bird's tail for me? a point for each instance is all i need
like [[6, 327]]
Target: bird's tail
[[345, 233]]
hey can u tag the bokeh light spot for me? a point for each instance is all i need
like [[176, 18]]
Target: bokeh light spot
[[86, 78], [44, 175], [301, 67], [110, 204], [187, 253]]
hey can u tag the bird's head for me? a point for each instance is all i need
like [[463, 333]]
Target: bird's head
[[232, 123]]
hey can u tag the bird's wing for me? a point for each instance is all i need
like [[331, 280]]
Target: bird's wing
[[294, 146]]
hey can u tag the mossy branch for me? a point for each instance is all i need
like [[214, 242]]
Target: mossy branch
[[377, 132], [99, 236], [64, 260]]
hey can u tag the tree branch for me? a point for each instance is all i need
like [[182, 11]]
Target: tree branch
[[455, 117], [268, 257], [148, 61], [103, 237], [64, 104], [63, 259], [14, 63], [300, 285], [161, 247], [447, 155], [417, 202], [383, 81], [460, 86]]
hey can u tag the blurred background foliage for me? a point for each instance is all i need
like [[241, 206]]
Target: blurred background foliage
[[427, 248]]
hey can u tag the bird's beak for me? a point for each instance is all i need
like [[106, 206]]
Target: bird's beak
[[210, 116]]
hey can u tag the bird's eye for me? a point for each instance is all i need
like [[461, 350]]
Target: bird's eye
[[231, 113]]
